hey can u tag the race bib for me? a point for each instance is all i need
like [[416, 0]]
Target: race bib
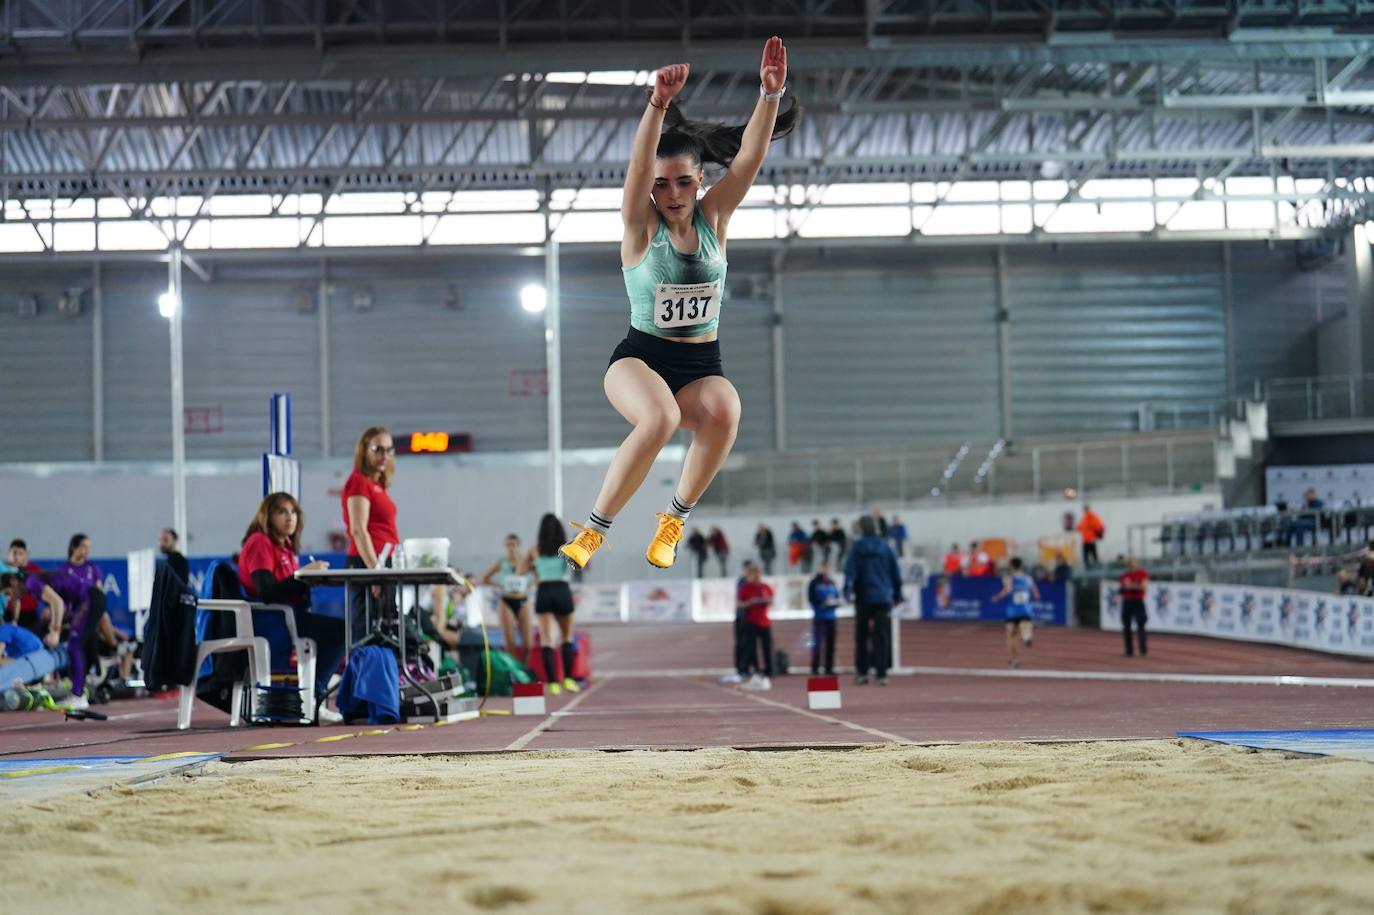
[[686, 305], [1020, 597], [514, 584]]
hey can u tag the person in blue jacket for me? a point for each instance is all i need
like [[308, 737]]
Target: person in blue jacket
[[873, 581], [824, 597]]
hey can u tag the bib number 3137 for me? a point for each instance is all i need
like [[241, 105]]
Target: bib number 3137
[[685, 305]]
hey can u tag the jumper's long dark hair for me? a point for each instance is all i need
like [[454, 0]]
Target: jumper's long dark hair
[[552, 535], [717, 144]]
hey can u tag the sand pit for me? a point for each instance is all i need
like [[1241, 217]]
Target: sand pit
[[1160, 826]]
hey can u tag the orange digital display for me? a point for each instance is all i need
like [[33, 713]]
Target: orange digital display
[[433, 442], [428, 442]]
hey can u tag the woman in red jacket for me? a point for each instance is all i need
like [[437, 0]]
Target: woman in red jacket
[[267, 569]]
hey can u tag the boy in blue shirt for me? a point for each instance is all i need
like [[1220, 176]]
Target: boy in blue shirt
[[824, 597]]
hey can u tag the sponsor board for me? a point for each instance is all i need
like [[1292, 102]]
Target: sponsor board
[[1278, 616]]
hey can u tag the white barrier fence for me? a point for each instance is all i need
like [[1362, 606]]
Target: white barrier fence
[[1277, 616]]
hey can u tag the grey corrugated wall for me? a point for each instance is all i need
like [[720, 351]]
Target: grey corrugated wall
[[882, 346], [45, 367], [1097, 331], [1278, 309], [893, 348]]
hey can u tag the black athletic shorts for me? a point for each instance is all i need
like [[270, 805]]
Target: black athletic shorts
[[513, 603], [554, 597], [679, 364]]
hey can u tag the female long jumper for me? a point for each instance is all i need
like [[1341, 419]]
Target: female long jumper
[[666, 374]]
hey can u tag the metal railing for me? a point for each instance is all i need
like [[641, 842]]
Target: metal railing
[[1124, 465], [1317, 397]]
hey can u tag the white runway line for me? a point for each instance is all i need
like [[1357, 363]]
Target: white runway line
[[873, 732], [521, 742], [1023, 673]]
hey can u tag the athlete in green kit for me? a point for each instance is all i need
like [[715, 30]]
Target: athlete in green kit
[[666, 374]]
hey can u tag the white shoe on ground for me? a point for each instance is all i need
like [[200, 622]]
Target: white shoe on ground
[[731, 679], [329, 716], [75, 702]]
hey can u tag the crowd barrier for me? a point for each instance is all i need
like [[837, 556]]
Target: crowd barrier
[[1278, 616]]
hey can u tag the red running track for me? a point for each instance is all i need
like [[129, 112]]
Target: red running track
[[637, 700]]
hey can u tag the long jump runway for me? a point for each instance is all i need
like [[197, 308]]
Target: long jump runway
[[656, 687]]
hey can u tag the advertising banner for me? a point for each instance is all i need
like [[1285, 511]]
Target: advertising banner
[[964, 597], [1299, 619]]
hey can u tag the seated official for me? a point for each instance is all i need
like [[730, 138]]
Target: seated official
[[267, 567]]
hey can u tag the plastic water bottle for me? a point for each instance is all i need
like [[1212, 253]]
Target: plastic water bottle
[[16, 700]]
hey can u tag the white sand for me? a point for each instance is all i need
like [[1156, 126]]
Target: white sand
[[1160, 826]]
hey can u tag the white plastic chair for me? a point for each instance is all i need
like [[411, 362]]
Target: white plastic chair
[[259, 661]]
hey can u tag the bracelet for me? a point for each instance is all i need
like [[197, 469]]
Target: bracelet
[[652, 103], [771, 96]]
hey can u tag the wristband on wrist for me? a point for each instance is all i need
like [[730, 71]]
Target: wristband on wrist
[[771, 96], [654, 103]]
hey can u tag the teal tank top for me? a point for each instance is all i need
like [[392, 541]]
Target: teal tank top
[[512, 582], [674, 294], [551, 568]]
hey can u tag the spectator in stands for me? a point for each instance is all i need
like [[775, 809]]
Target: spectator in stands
[[721, 547], [1132, 585], [743, 645], [1367, 563], [29, 616], [268, 560], [755, 596], [1346, 582], [820, 543], [24, 658], [1063, 572], [839, 540], [1306, 523], [980, 564], [897, 531], [696, 545], [873, 582], [881, 523], [798, 546], [1090, 529], [766, 546], [954, 561], [167, 543], [824, 597]]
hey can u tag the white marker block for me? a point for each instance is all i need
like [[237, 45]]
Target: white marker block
[[822, 692], [529, 699]]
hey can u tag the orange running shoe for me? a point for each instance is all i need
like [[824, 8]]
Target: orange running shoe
[[579, 552], [663, 548]]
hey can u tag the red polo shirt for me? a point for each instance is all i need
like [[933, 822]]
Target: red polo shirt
[[1133, 584], [381, 520], [260, 553], [755, 614]]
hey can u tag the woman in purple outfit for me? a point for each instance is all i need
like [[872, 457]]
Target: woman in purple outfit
[[74, 582]]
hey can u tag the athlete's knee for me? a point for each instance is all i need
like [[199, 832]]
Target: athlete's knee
[[720, 413], [661, 423]]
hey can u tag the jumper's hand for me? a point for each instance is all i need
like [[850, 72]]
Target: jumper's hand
[[773, 68], [668, 82]]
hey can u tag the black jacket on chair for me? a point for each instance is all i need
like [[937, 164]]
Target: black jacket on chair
[[169, 649]]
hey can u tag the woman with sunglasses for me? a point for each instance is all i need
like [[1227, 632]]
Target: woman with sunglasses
[[369, 513]]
